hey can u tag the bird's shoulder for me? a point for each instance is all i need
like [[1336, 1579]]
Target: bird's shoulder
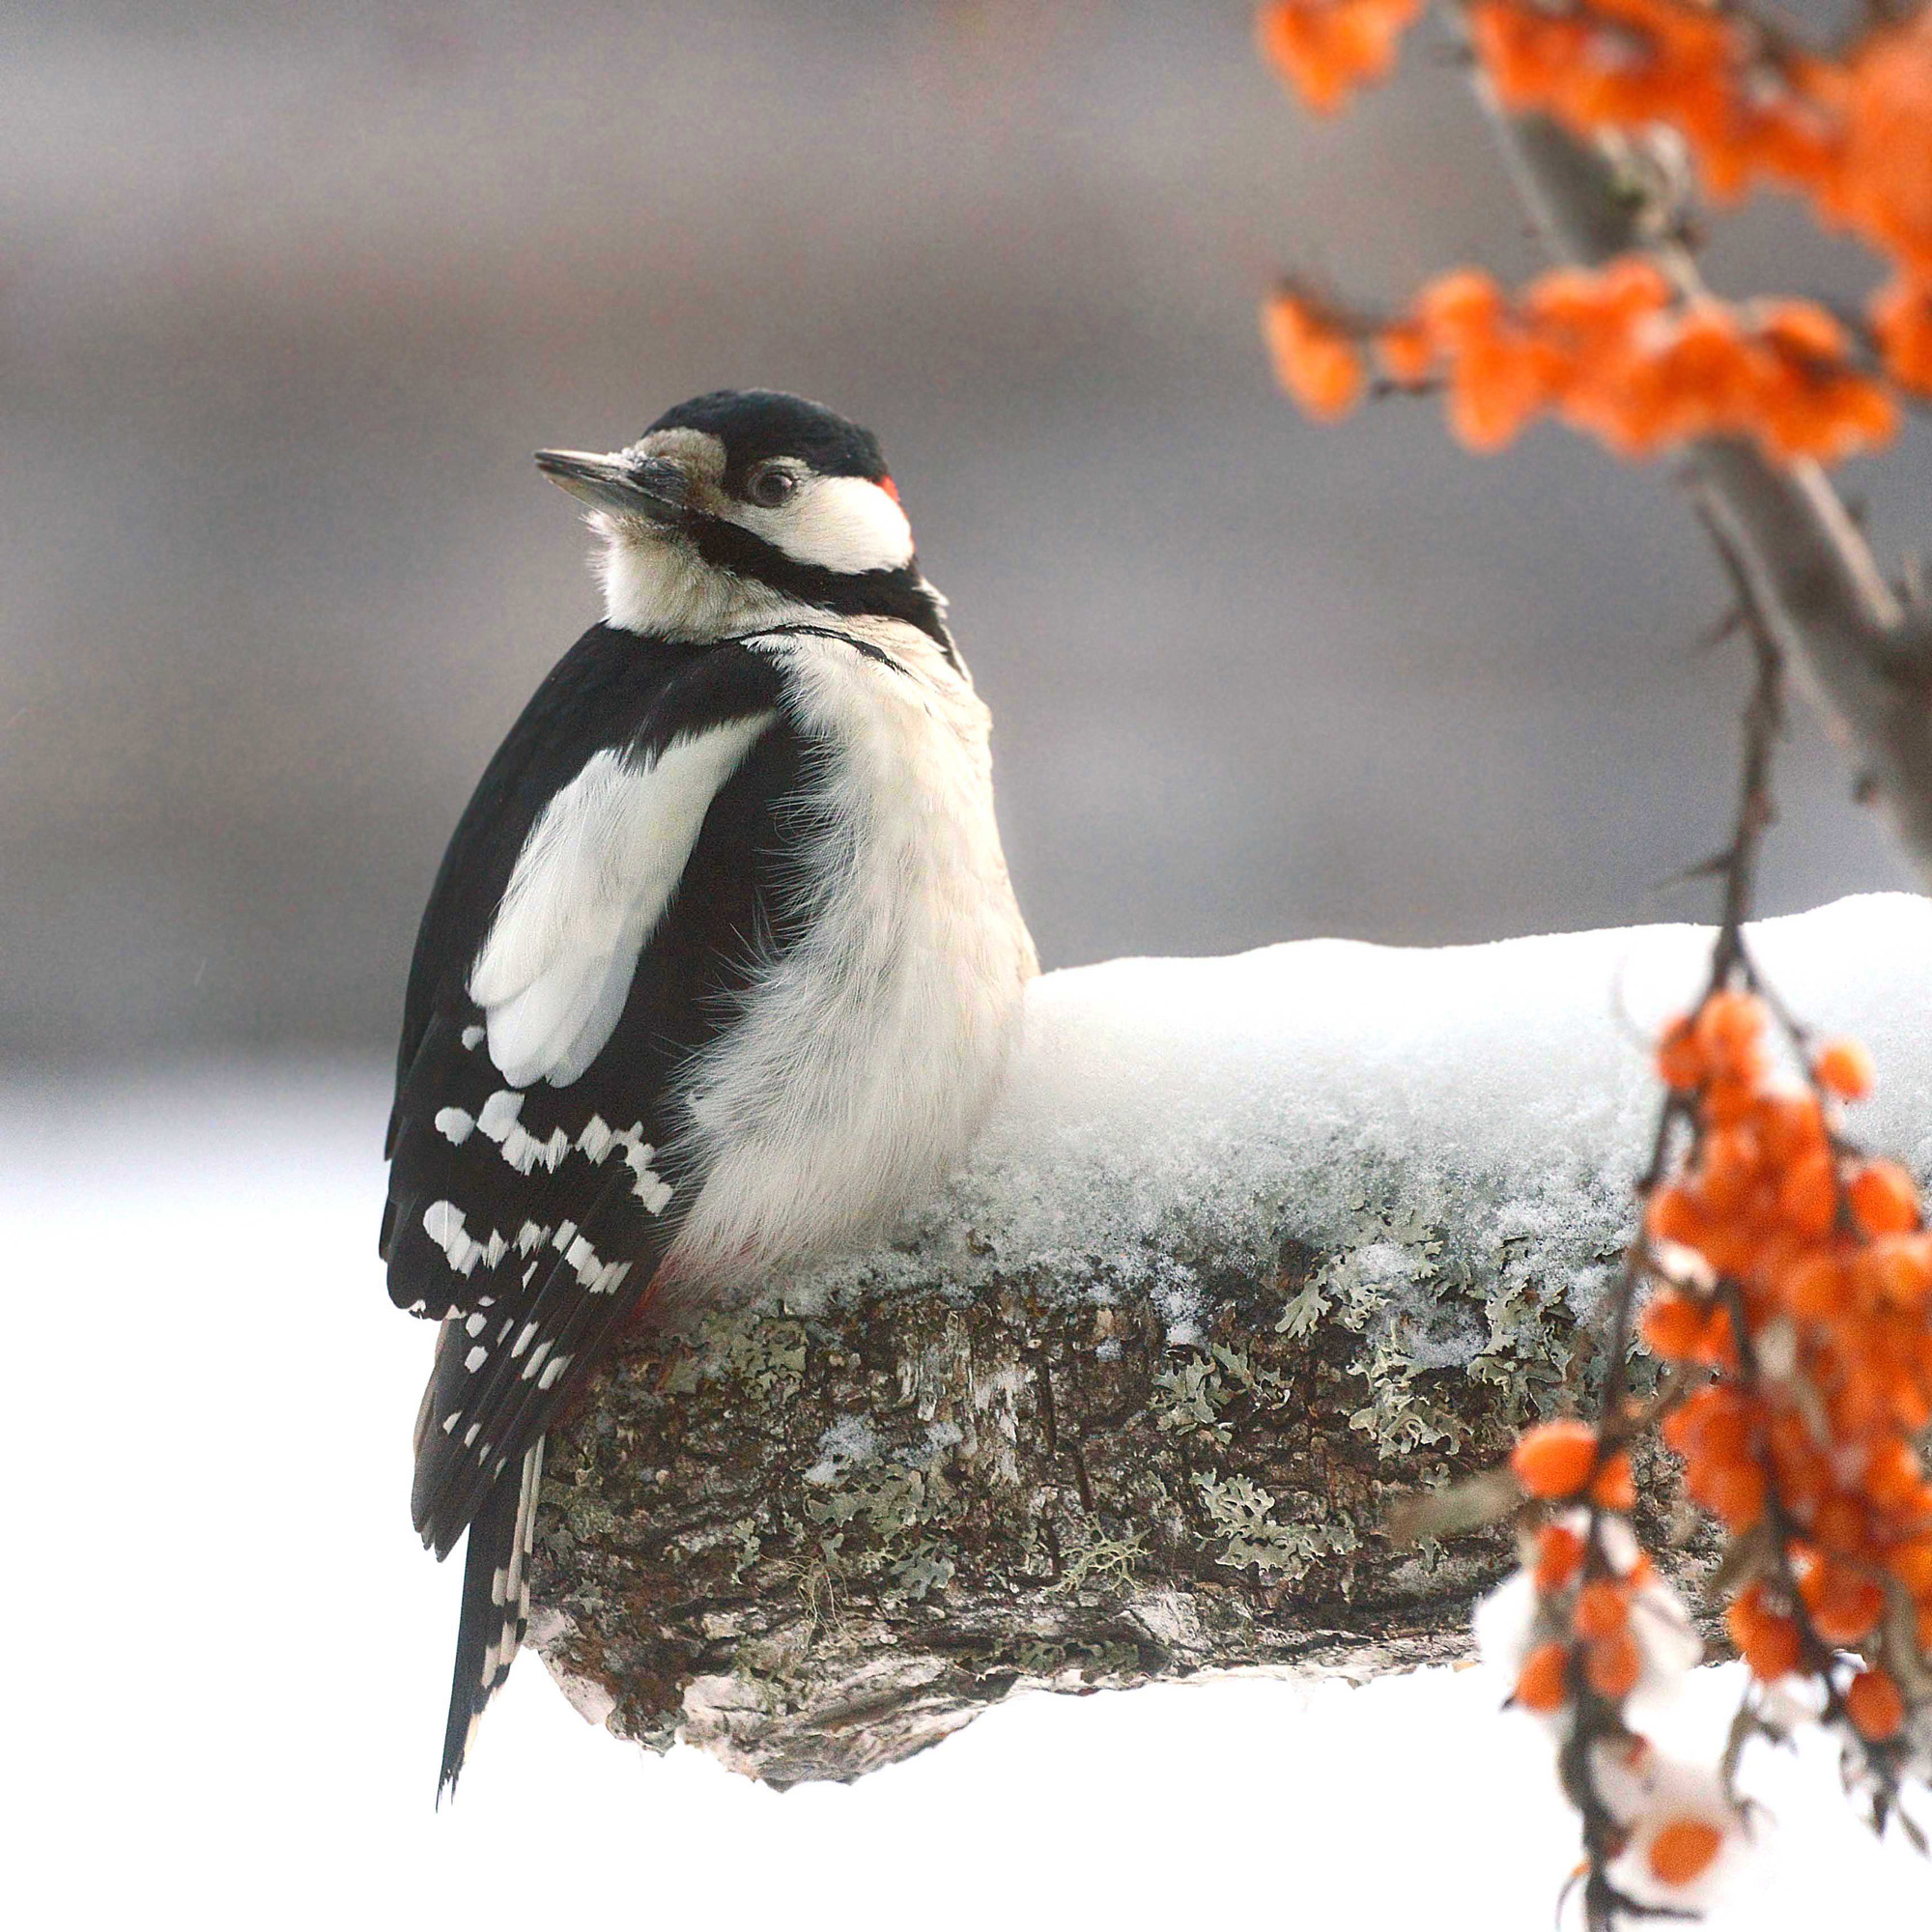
[[613, 691]]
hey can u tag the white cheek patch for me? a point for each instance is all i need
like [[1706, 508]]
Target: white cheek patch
[[842, 523]]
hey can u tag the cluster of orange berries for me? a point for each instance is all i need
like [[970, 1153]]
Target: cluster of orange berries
[[1807, 1425], [1611, 351], [1602, 63], [1559, 1462], [1603, 1621], [1854, 136], [1327, 48]]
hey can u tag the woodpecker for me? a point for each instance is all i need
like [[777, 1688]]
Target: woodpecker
[[722, 966]]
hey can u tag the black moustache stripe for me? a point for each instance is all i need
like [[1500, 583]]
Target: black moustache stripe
[[900, 593]]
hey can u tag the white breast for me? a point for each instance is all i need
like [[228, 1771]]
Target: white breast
[[866, 1056]]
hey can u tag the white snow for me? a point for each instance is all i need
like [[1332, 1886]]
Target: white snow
[[225, 1693], [1501, 1091]]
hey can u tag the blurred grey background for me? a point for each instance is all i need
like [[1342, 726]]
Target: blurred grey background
[[289, 295]]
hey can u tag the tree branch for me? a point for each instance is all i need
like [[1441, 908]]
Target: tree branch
[[1863, 657]]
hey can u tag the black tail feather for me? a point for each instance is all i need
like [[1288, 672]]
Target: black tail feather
[[496, 1605]]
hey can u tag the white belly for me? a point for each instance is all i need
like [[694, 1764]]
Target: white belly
[[866, 1057]]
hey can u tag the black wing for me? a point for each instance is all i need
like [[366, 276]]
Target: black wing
[[530, 1220]]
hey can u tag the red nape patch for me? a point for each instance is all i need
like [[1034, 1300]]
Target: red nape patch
[[891, 487]]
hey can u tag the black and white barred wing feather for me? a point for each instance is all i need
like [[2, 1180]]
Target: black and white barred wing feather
[[587, 936]]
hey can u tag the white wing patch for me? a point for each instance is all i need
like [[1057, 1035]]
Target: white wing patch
[[593, 879]]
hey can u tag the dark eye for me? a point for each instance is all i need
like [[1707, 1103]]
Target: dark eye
[[768, 486]]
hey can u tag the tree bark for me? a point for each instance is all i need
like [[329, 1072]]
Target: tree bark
[[817, 1544]]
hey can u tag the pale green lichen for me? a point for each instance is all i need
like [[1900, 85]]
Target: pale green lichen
[[1247, 1533], [924, 1569], [1187, 1401], [881, 1522], [764, 1355], [1189, 1398], [1093, 1557], [1408, 1282]]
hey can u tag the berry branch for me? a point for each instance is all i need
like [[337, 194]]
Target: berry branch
[[1779, 1282]]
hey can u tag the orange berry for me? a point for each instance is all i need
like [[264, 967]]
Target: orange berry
[[1911, 1405], [1839, 1525], [1771, 1646], [1613, 1664], [1790, 1126], [1540, 1687], [1615, 1487], [1717, 1346], [1894, 1478], [1912, 1564], [1728, 1168], [1901, 1270], [1808, 1196], [1804, 329], [1680, 1059], [1729, 1025], [1672, 1325], [1875, 1705], [1559, 1550], [1747, 1610], [1495, 386], [1555, 1458], [1314, 360], [1460, 307], [1887, 156], [1884, 1198], [1671, 1214], [1844, 1067], [1734, 1492], [1634, 284], [1324, 48], [1814, 1287], [1601, 1610], [1845, 1608], [1684, 1849], [1901, 316], [1727, 1102], [1720, 1424], [1405, 353]]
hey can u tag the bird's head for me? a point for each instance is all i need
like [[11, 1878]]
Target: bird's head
[[742, 504]]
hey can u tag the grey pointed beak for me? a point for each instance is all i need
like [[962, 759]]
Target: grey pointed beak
[[650, 487]]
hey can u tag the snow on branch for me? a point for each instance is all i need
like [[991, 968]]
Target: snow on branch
[[1253, 1250]]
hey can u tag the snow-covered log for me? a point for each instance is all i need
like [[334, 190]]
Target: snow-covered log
[[1252, 1249]]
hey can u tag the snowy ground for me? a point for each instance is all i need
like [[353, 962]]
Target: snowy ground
[[230, 1662]]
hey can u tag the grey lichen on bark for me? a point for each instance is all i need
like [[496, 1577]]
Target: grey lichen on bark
[[816, 1541]]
